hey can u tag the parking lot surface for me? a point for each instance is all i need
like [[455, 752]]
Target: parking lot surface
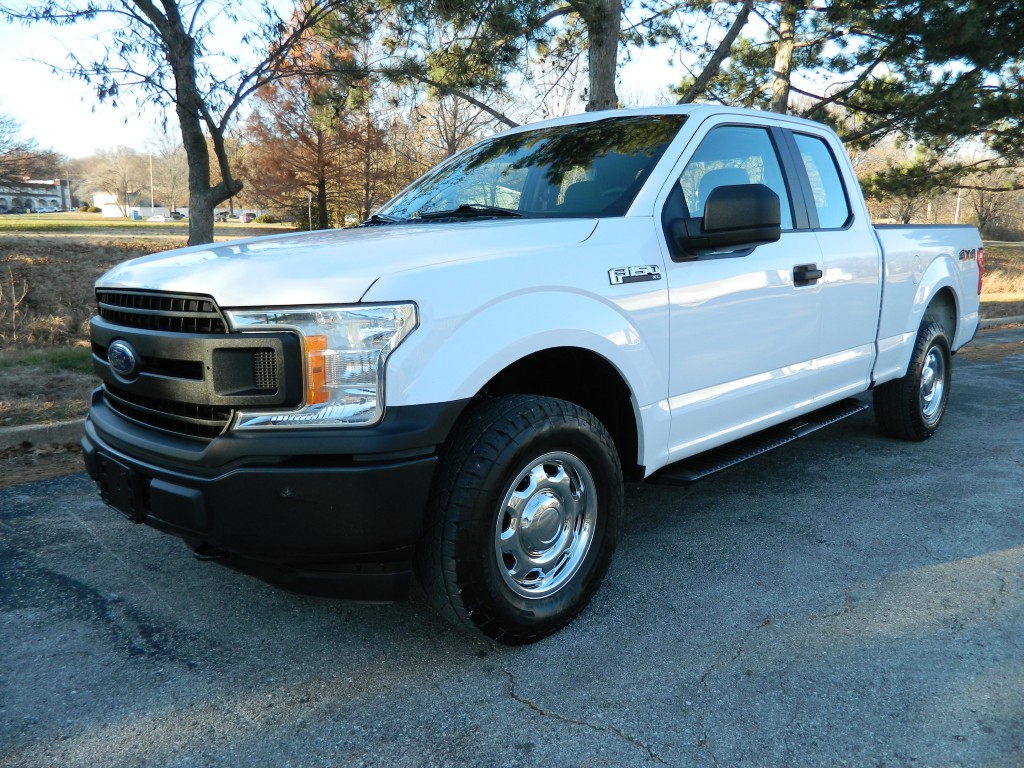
[[845, 600]]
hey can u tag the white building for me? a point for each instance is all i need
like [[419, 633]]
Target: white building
[[35, 196]]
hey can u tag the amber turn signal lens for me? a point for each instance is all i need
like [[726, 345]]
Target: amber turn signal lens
[[316, 370]]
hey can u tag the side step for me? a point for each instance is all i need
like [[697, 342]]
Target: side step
[[708, 463]]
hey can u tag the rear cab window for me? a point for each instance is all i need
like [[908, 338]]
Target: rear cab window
[[828, 195]]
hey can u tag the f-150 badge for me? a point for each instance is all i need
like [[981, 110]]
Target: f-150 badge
[[621, 275]]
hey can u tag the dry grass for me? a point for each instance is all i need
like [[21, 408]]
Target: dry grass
[[55, 273], [1004, 269], [34, 394], [54, 259], [1002, 294]]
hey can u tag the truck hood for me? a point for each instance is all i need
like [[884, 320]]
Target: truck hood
[[334, 266]]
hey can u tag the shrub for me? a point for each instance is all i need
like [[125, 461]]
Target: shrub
[[266, 218]]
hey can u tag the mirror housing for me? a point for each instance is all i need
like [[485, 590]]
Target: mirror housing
[[735, 216]]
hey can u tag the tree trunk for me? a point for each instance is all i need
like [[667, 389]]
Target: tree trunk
[[783, 67], [603, 19], [192, 115], [367, 159], [322, 219]]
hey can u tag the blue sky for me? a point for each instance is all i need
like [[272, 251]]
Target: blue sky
[[57, 111], [63, 114]]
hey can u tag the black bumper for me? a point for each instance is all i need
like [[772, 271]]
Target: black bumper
[[305, 510]]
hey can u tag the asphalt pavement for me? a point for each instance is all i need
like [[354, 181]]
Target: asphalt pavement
[[845, 600]]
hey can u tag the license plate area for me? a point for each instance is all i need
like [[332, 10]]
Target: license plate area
[[122, 488]]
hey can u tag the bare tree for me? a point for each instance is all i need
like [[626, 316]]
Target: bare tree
[[157, 49], [170, 167], [19, 158], [120, 172]]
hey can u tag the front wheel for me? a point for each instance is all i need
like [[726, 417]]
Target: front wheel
[[523, 519], [911, 408]]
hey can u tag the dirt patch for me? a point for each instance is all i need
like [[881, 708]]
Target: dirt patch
[[28, 463], [33, 395], [998, 305], [991, 353]]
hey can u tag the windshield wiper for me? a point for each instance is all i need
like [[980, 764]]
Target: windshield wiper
[[472, 209], [380, 218]]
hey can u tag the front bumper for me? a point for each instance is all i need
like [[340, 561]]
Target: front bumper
[[301, 510]]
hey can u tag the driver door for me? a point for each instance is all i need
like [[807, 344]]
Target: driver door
[[743, 331]]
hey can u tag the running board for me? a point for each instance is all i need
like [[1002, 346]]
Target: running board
[[708, 463]]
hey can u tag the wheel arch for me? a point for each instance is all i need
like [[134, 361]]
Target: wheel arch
[[583, 377], [937, 299], [943, 310]]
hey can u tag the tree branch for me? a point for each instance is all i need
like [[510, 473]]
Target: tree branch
[[721, 53], [466, 97]]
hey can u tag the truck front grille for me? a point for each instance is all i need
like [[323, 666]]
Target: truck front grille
[[190, 374]]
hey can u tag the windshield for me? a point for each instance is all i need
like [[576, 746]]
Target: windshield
[[581, 170]]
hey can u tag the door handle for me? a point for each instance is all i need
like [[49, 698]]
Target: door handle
[[806, 274]]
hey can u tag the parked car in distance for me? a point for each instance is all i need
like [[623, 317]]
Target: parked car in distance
[[177, 215], [157, 217], [247, 218]]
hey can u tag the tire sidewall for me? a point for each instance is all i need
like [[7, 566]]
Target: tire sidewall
[[933, 336], [481, 582]]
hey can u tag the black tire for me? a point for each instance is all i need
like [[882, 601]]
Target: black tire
[[551, 466], [912, 407]]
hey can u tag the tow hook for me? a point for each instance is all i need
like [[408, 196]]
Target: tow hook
[[207, 554]]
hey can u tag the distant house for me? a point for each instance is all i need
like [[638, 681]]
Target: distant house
[[35, 196]]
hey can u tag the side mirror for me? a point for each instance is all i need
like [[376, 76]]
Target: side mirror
[[735, 216]]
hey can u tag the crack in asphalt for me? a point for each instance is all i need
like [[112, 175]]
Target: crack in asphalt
[[784, 674], [602, 728], [702, 689], [1001, 593]]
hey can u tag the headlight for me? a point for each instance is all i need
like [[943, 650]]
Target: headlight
[[344, 350]]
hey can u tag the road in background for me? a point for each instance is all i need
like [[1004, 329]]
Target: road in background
[[845, 600]]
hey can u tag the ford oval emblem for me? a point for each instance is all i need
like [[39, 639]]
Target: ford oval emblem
[[123, 359]]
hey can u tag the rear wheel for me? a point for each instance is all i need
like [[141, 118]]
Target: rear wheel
[[523, 519], [911, 408]]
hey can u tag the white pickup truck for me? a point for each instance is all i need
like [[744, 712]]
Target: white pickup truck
[[457, 389]]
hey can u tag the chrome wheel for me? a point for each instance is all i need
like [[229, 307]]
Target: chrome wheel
[[933, 385], [545, 525]]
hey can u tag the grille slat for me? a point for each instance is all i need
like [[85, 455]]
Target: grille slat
[[173, 313], [182, 418]]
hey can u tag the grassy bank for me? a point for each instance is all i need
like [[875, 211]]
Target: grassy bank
[[45, 384], [97, 224]]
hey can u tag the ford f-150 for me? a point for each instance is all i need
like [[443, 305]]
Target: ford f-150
[[456, 390]]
